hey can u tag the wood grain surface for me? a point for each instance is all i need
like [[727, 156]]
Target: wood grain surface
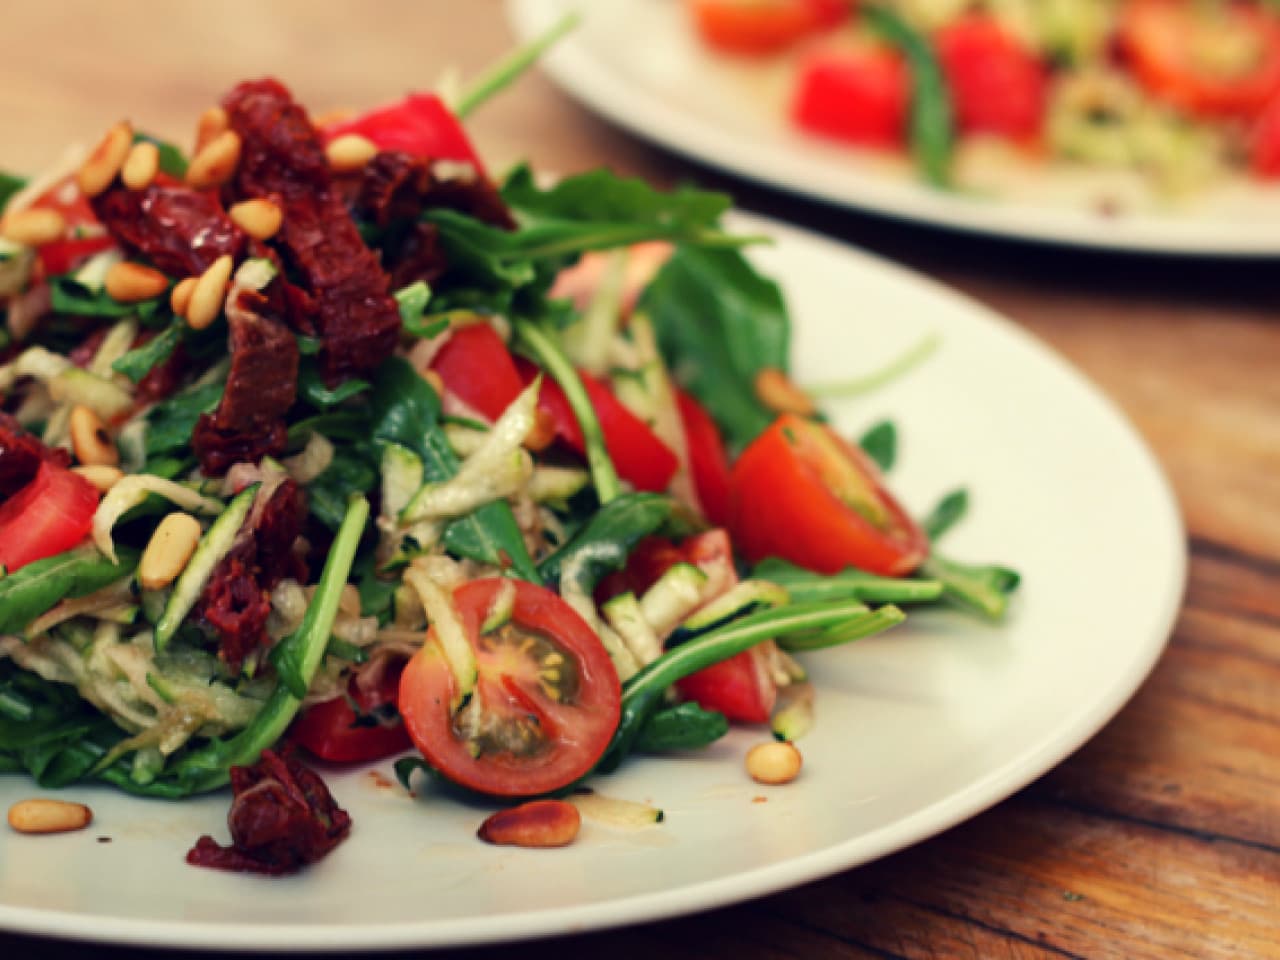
[[1161, 837]]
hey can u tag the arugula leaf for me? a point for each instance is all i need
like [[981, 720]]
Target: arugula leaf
[[171, 422], [720, 323], [66, 296], [140, 361], [880, 443], [353, 469], [413, 301], [312, 388], [27, 593], [982, 589], [609, 536], [407, 411], [949, 511], [9, 185]]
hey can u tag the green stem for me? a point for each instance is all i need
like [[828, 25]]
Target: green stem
[[549, 355], [504, 72], [898, 367], [982, 589], [864, 625]]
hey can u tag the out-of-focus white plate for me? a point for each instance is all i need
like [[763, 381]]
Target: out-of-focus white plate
[[639, 63], [916, 730]]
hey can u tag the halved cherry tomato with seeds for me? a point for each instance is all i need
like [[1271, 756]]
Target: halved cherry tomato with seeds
[[802, 493], [544, 707]]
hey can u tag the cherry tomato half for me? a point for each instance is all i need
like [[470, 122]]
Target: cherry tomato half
[[420, 124], [998, 86], [84, 237], [545, 704], [477, 368], [859, 94], [1219, 60], [802, 493], [336, 732], [759, 27], [52, 513], [708, 461]]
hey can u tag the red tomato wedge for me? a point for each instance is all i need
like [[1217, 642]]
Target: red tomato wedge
[[545, 704], [420, 124], [802, 493], [858, 94], [638, 455], [998, 86], [50, 514], [1264, 143], [742, 688], [708, 461], [335, 732], [85, 236], [1212, 60], [760, 27], [477, 368]]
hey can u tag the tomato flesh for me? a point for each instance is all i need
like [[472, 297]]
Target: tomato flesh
[[477, 368], [420, 125], [741, 687], [62, 256], [335, 732], [545, 705], [859, 95], [997, 85], [1219, 61], [51, 514], [708, 461], [802, 493]]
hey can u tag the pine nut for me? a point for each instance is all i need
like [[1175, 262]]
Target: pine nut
[[543, 432], [106, 160], [90, 439], [132, 282], [539, 823], [168, 551], [48, 816], [103, 477], [34, 227], [434, 380], [141, 166], [216, 162], [260, 219], [350, 152], [780, 394], [180, 298], [208, 294], [774, 763], [211, 123]]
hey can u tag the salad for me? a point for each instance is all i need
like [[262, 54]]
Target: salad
[[1178, 95], [320, 442]]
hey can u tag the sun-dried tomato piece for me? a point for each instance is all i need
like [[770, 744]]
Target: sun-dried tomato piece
[[282, 818], [21, 455], [180, 230], [282, 158]]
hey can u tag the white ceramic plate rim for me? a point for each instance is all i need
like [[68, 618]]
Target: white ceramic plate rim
[[998, 783], [588, 76]]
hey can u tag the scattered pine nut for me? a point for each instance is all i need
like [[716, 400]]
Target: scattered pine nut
[[774, 762], [538, 823], [48, 816], [180, 298], [102, 476], [90, 440], [34, 227], [350, 152], [141, 166], [168, 550], [542, 432], [780, 394], [208, 294], [216, 162], [106, 160], [132, 282], [260, 219], [211, 123]]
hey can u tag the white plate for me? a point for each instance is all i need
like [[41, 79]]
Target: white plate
[[639, 63], [916, 731]]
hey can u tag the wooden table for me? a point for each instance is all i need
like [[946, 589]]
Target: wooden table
[[1159, 839]]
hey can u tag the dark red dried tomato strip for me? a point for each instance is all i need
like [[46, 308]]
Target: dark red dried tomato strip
[[282, 818], [180, 230], [282, 158], [21, 455], [236, 600]]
